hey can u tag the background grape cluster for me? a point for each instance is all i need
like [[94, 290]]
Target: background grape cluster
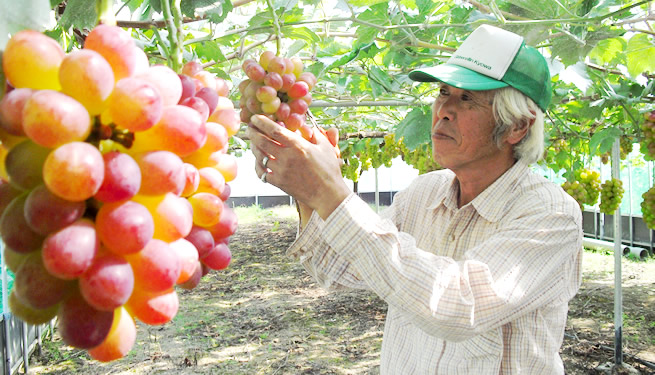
[[361, 154], [584, 188], [647, 144], [114, 182], [611, 194]]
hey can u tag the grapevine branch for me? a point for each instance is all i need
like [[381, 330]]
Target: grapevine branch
[[276, 24], [173, 20]]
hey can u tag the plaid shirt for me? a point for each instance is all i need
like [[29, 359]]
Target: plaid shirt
[[481, 289]]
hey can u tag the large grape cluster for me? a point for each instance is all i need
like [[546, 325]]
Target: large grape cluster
[[113, 187], [648, 207], [279, 88], [647, 145], [584, 188], [611, 193]]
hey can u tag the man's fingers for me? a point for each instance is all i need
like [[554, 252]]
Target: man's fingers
[[333, 135], [273, 130]]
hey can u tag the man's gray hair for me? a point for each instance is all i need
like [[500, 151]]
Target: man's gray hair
[[512, 108]]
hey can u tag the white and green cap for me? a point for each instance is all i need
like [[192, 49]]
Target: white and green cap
[[491, 58]]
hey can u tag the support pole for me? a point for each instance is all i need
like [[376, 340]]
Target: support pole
[[377, 192], [618, 293]]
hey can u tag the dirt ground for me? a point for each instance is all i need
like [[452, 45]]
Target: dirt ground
[[264, 315]]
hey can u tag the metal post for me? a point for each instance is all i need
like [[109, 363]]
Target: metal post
[[26, 347], [5, 292], [5, 311], [630, 216], [377, 192], [618, 253]]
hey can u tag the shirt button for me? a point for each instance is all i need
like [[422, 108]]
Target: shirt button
[[452, 237]]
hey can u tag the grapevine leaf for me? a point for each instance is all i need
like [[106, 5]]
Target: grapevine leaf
[[296, 47], [361, 3], [210, 51], [608, 50], [336, 61], [375, 15], [569, 50], [603, 140], [216, 11], [359, 146], [260, 19], [302, 33], [376, 88], [640, 55], [20, 15], [286, 4], [80, 14], [381, 77], [415, 127], [156, 5], [133, 5]]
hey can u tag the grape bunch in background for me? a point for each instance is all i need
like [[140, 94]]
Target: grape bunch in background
[[647, 144], [648, 207], [584, 188], [611, 194], [114, 182]]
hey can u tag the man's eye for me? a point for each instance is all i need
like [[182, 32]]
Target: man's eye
[[443, 92]]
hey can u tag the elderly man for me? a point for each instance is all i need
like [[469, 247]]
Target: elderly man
[[477, 262]]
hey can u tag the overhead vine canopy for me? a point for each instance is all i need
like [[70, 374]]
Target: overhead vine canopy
[[601, 53]]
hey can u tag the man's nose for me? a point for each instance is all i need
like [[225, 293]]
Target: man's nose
[[443, 110]]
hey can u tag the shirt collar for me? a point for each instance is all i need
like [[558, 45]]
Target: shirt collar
[[491, 203]]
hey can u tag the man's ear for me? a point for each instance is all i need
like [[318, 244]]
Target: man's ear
[[519, 131]]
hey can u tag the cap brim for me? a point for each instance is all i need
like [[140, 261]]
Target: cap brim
[[456, 76]]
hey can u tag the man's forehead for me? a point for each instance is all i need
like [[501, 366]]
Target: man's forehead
[[475, 93]]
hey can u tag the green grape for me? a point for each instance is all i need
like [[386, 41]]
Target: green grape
[[610, 196], [647, 144], [648, 207], [575, 190], [626, 146], [590, 181]]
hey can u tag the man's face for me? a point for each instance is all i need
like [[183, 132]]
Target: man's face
[[462, 127]]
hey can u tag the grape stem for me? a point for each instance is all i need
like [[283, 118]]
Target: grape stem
[[276, 23], [173, 16], [105, 10]]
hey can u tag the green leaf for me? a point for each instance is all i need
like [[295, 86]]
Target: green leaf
[[640, 55], [376, 88], [381, 77], [336, 61], [415, 127], [296, 47], [20, 15], [363, 3], [302, 33], [133, 5], [375, 15], [216, 11], [210, 51], [569, 50], [156, 5], [603, 140], [608, 50], [80, 14]]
